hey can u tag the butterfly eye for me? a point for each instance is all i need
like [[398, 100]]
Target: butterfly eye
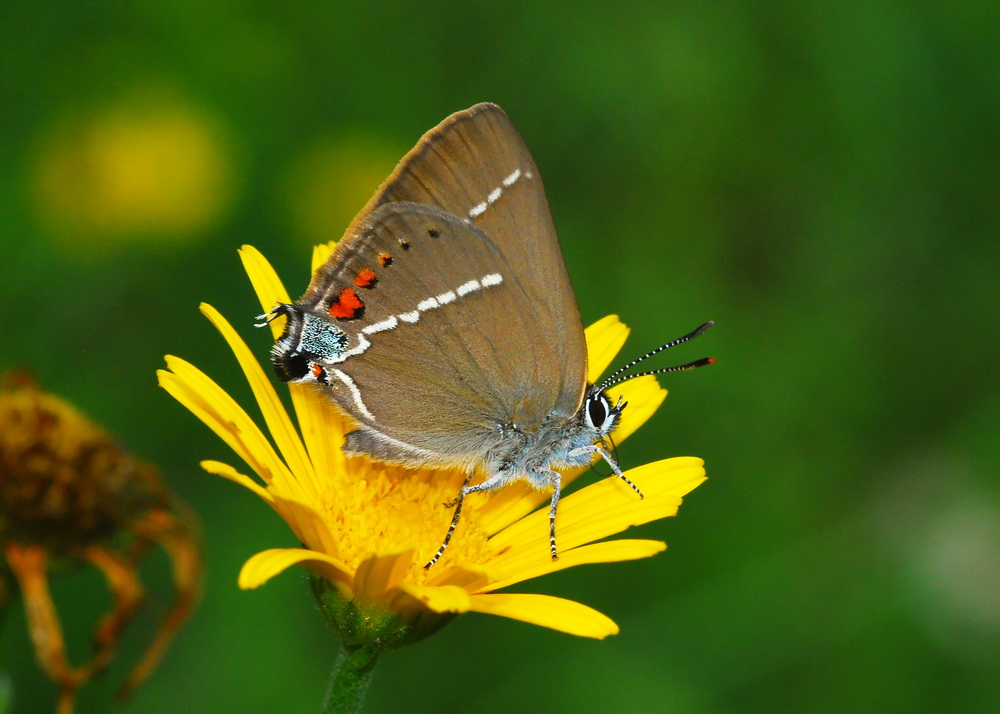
[[598, 411]]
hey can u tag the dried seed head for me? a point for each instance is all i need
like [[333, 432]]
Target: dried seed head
[[64, 482]]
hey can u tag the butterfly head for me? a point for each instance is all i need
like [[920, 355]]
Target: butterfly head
[[572, 444], [599, 417]]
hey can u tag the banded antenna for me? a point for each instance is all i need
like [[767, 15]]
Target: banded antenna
[[619, 376]]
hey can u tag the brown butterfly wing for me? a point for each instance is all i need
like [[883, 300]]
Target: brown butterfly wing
[[446, 355], [475, 166]]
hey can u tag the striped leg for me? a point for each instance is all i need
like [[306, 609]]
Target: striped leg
[[491, 484], [595, 449], [554, 478]]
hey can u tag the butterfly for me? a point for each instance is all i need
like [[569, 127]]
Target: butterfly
[[445, 325]]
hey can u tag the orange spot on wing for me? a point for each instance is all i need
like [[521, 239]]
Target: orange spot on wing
[[366, 279], [347, 305], [384, 259]]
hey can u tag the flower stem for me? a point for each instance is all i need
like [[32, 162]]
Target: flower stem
[[352, 673]]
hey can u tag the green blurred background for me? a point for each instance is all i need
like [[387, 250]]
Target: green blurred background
[[821, 179]]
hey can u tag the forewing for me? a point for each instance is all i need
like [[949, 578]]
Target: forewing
[[445, 348], [476, 166]]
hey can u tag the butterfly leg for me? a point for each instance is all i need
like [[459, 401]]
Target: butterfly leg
[[457, 503], [554, 478], [595, 449], [491, 484]]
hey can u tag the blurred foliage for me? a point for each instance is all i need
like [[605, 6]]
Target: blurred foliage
[[821, 179]]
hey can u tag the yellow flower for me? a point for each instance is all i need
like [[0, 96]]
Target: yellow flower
[[367, 528]]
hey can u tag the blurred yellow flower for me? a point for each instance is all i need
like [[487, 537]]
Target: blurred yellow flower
[[367, 528], [150, 167]]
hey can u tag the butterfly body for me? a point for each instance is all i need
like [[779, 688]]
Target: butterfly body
[[445, 325]]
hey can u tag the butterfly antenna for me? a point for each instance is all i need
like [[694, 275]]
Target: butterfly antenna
[[619, 376]]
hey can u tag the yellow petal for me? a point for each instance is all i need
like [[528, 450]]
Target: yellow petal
[[265, 565], [506, 506], [322, 427], [611, 551], [321, 253], [278, 422], [446, 598], [469, 577], [226, 471], [210, 403], [306, 522], [266, 284], [605, 339], [380, 573], [547, 611], [600, 510]]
